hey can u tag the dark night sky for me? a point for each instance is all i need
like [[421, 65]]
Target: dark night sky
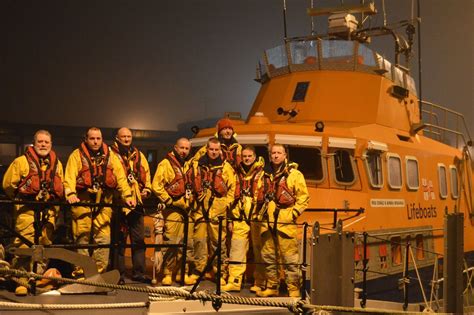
[[155, 64]]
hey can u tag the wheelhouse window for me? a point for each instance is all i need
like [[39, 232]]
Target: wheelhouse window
[[373, 163], [412, 173], [309, 162], [453, 172], [277, 57], [443, 187], [394, 171], [343, 166]]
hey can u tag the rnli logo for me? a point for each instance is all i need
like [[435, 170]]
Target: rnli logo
[[428, 192]]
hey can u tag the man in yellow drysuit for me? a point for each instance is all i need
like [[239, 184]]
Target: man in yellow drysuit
[[172, 187], [137, 170], [286, 197], [35, 176], [250, 199], [214, 184], [92, 174]]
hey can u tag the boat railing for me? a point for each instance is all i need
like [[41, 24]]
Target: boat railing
[[445, 125], [411, 264], [313, 54]]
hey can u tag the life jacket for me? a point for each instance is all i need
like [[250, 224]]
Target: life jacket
[[37, 179], [136, 171], [230, 152], [246, 186], [210, 177], [277, 189], [177, 187], [96, 172]]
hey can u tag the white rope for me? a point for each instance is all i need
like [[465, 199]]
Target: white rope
[[419, 278], [469, 276], [434, 284], [162, 298], [155, 297], [33, 306]]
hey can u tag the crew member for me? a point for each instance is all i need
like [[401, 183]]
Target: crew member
[[35, 176], [286, 197], [137, 170], [231, 150], [92, 174], [172, 187], [214, 184], [249, 199]]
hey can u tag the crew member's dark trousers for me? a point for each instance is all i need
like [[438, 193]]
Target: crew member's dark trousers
[[136, 229]]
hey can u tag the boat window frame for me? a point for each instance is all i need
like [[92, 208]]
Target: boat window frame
[[351, 152], [199, 141], [323, 164], [368, 170], [408, 184], [388, 156], [253, 139], [304, 141], [442, 166], [453, 194]]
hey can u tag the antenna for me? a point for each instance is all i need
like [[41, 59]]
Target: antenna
[[284, 19], [384, 14], [312, 17], [418, 19]]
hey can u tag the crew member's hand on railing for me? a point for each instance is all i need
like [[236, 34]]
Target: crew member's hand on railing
[[73, 199]]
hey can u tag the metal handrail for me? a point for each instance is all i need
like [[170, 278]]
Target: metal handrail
[[437, 125]]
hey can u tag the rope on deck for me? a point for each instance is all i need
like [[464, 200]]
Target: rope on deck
[[33, 306], [295, 306]]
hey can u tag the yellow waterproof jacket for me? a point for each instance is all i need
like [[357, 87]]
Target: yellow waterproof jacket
[[283, 219], [209, 205], [250, 185], [164, 176], [17, 171], [133, 183], [74, 165]]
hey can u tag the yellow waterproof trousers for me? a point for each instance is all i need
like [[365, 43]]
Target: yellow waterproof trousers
[[174, 234], [238, 252], [24, 225], [93, 222], [205, 241], [278, 247]]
